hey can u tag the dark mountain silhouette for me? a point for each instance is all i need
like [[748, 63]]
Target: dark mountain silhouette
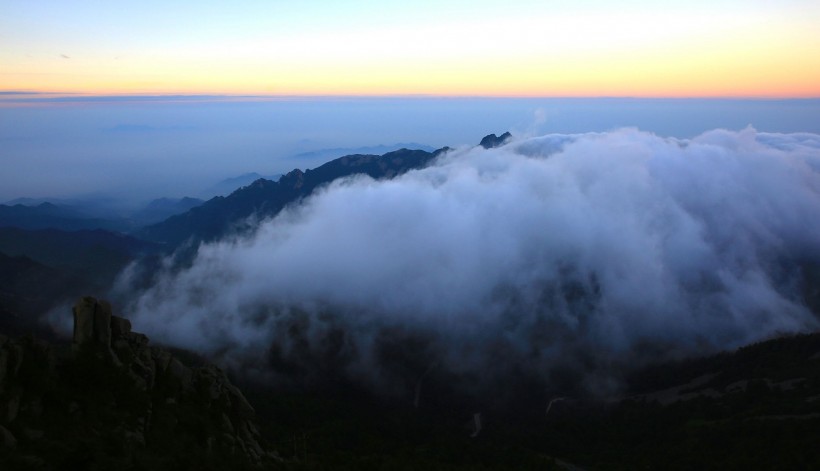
[[229, 185], [163, 208], [27, 289], [265, 198], [98, 254], [76, 215], [368, 150], [490, 141], [42, 269], [753, 408], [51, 216]]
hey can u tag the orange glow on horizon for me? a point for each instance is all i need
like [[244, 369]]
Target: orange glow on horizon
[[631, 77], [655, 54], [594, 79], [722, 67]]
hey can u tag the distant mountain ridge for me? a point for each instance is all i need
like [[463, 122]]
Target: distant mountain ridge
[[173, 221], [264, 198], [163, 208], [70, 215], [41, 268], [50, 216], [229, 185], [368, 150], [95, 251], [29, 288]]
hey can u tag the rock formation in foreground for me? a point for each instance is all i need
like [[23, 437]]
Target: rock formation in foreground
[[111, 401]]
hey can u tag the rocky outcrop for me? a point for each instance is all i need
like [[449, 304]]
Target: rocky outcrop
[[491, 140], [112, 398], [92, 322]]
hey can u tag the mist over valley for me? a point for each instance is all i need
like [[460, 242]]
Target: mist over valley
[[582, 252]]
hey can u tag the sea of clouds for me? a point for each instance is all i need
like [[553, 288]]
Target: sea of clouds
[[582, 252]]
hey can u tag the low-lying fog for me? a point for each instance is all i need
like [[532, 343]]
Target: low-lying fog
[[586, 252]]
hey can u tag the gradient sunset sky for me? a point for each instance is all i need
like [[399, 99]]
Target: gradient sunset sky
[[477, 48]]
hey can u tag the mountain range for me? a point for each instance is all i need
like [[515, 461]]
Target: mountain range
[[51, 216], [264, 198], [84, 247], [78, 215], [327, 154], [229, 185]]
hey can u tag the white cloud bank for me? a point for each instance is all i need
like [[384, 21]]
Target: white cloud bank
[[576, 250]]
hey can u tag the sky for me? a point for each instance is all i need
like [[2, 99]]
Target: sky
[[716, 48]]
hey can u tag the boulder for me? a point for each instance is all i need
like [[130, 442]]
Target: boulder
[[92, 322], [84, 320]]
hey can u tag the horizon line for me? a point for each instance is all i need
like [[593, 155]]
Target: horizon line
[[34, 97]]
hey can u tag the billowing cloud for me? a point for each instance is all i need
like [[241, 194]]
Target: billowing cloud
[[555, 253]]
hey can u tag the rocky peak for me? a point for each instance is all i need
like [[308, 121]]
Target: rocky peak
[[293, 179], [491, 140]]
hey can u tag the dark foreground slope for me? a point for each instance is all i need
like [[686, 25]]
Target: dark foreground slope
[[755, 408], [110, 401], [221, 216]]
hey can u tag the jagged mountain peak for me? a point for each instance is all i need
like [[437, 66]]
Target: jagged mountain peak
[[265, 198], [491, 140]]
